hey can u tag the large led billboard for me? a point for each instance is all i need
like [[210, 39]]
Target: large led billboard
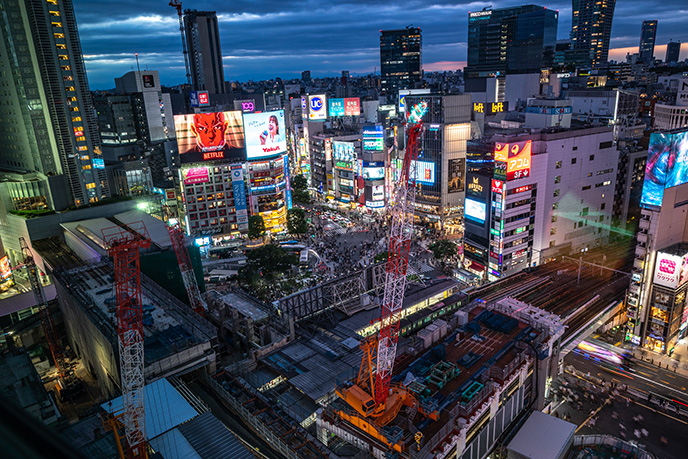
[[373, 138], [373, 170], [425, 172], [317, 107], [208, 136], [667, 166], [195, 175], [344, 155], [475, 210], [265, 134]]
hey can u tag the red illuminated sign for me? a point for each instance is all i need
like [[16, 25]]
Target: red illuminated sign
[[352, 106], [203, 98], [522, 189], [497, 186], [518, 162]]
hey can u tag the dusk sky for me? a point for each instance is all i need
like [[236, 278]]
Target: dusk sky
[[268, 39]]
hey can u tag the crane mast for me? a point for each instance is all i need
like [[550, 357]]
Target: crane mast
[[401, 232], [123, 246], [178, 5], [184, 261], [375, 400]]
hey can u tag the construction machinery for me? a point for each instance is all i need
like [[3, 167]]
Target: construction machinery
[[375, 401], [184, 261], [178, 5], [123, 246], [68, 385]]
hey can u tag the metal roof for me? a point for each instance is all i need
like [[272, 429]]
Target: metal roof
[[543, 437], [165, 408]]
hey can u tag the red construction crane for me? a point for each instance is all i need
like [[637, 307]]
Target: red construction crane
[[178, 5], [185, 266], [372, 394], [68, 384], [123, 246]]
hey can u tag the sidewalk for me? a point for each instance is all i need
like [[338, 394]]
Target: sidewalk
[[679, 366]]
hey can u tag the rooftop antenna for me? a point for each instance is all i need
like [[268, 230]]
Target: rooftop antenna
[[137, 62]]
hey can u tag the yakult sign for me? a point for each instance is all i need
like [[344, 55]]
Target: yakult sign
[[667, 270]]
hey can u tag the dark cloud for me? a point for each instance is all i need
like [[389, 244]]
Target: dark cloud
[[266, 39]]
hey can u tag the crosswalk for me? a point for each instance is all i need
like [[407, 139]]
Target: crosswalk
[[334, 231]]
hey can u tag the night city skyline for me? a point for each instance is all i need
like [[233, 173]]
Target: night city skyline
[[276, 39]]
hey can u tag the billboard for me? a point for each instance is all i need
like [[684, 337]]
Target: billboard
[[518, 162], [317, 106], [344, 155], [456, 175], [195, 175], [667, 166], [475, 210], [98, 163], [405, 92], [5, 268], [668, 269], [265, 134], [373, 138], [336, 107], [208, 136], [352, 106], [378, 193], [304, 107], [373, 170], [425, 172], [239, 196], [288, 181], [199, 98]]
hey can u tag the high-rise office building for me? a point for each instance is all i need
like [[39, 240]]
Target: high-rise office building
[[591, 28], [48, 132], [672, 52], [400, 59], [205, 54], [647, 40], [521, 39]]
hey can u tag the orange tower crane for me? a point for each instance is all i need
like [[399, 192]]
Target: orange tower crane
[[123, 246], [372, 396]]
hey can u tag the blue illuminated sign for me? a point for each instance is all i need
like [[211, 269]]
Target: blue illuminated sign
[[316, 103]]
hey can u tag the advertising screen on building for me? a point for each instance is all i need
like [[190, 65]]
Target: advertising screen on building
[[317, 107], [5, 268], [456, 175], [240, 204], [425, 172], [373, 170], [667, 166], [195, 175], [518, 163], [304, 107], [344, 155], [475, 210], [265, 134], [497, 186], [336, 107], [352, 106], [373, 138], [378, 193], [209, 136], [668, 270]]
